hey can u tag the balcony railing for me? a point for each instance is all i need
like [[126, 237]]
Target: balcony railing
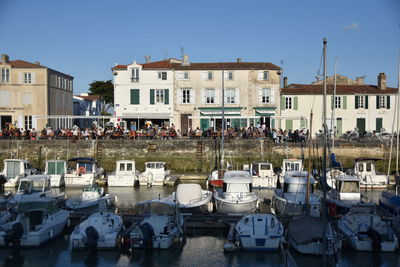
[[134, 80]]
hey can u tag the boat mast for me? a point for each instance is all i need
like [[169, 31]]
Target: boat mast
[[398, 114], [309, 166], [223, 122], [333, 120], [324, 159]]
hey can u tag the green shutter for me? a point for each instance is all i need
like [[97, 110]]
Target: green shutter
[[302, 123], [272, 123], [296, 100], [289, 125], [60, 168], [339, 126], [388, 102], [135, 97], [151, 96], [379, 124], [377, 102], [283, 102], [204, 124], [51, 168], [356, 101], [366, 102], [166, 95], [345, 102]]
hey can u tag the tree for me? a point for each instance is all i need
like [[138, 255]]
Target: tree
[[105, 89]]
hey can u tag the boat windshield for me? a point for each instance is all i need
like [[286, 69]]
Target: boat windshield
[[265, 167], [237, 188], [55, 168], [292, 166], [85, 167], [13, 169], [155, 165], [296, 188], [33, 186], [350, 187]]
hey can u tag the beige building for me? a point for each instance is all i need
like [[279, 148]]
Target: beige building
[[31, 93], [251, 94]]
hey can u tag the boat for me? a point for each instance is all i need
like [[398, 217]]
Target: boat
[[305, 234], [263, 175], [364, 230], [289, 165], [35, 223], [101, 230], [15, 169], [291, 200], [390, 202], [83, 173], [56, 169], [34, 187], [216, 178], [190, 198], [160, 228], [90, 198], [237, 195], [259, 232], [154, 174], [370, 178], [125, 174]]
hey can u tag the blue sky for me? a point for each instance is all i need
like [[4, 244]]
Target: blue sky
[[86, 38]]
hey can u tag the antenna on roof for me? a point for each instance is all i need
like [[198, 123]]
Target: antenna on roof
[[182, 49], [165, 54]]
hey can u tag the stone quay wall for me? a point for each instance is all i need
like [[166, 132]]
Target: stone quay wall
[[183, 155]]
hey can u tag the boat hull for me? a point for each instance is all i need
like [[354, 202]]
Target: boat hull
[[121, 180], [79, 181], [224, 206]]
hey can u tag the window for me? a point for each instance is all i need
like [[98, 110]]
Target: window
[[338, 102], [5, 75], [361, 102], [228, 75], [129, 167], [162, 75], [27, 77], [369, 167], [186, 96], [266, 95], [26, 98], [135, 75], [230, 96], [209, 75], [28, 122], [159, 96], [210, 96], [382, 101], [183, 75], [122, 166], [263, 75], [288, 103], [5, 98]]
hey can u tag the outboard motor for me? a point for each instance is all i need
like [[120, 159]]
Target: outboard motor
[[148, 235], [14, 235], [376, 239], [3, 179], [91, 237]]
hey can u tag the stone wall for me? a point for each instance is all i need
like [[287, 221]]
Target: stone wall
[[181, 155]]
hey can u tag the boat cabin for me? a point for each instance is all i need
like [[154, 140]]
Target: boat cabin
[[291, 165], [125, 167], [82, 165], [237, 182], [348, 188], [365, 166], [34, 184], [92, 192], [17, 167], [296, 182], [56, 167], [262, 169]]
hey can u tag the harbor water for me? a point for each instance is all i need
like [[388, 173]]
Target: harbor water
[[201, 247]]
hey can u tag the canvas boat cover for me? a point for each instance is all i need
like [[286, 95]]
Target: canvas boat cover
[[238, 177], [186, 193], [306, 229]]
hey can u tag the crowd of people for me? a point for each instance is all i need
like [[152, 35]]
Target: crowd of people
[[150, 131]]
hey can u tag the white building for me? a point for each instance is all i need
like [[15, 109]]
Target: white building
[[143, 92], [367, 107]]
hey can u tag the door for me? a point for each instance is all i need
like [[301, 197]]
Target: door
[[361, 125], [184, 124], [379, 124], [339, 126], [204, 124], [4, 121]]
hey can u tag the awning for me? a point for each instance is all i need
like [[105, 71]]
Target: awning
[[218, 111], [166, 116]]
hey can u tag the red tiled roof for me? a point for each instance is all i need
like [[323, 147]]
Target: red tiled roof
[[227, 66], [24, 64], [311, 89], [89, 97], [165, 64]]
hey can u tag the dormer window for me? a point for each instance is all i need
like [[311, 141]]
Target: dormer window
[[135, 75]]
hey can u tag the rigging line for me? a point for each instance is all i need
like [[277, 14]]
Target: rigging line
[[318, 74]]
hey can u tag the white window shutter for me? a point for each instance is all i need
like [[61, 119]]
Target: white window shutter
[[226, 75], [260, 95], [260, 75], [203, 96], [180, 75], [180, 96], [192, 97], [237, 96], [33, 77], [20, 77], [272, 96], [204, 76], [217, 94]]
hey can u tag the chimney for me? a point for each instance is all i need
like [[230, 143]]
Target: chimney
[[238, 60], [382, 81], [4, 59], [37, 62], [148, 59], [284, 82], [185, 60], [360, 79]]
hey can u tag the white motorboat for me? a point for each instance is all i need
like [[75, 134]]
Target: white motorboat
[[305, 235], [56, 169], [15, 169], [34, 187], [237, 194], [100, 230], [84, 172], [154, 174], [370, 178], [190, 198], [291, 200], [289, 165], [161, 227], [125, 174], [263, 175], [364, 230], [35, 223], [90, 198], [259, 232]]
